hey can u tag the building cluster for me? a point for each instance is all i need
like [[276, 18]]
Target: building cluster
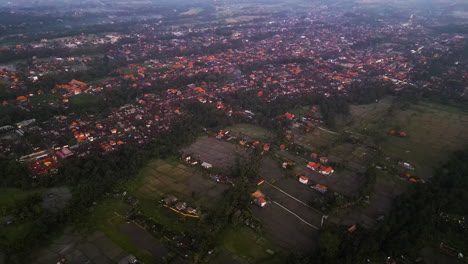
[[323, 52]]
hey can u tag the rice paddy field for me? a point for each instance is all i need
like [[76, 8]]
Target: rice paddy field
[[242, 245], [250, 132], [433, 132], [163, 177]]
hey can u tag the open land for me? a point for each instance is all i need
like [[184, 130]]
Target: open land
[[220, 154]]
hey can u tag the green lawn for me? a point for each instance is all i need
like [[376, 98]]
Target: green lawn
[[433, 131], [19, 229], [104, 217], [44, 98], [171, 177], [250, 132], [245, 244], [9, 196]]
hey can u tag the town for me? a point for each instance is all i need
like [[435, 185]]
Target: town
[[301, 124]]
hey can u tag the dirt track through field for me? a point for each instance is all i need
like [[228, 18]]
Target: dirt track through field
[[292, 197], [298, 217]]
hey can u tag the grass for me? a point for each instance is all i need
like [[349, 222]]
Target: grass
[[16, 232], [250, 132], [246, 244], [9, 196], [170, 177], [44, 98], [161, 178], [317, 140], [103, 217], [20, 228], [434, 131]]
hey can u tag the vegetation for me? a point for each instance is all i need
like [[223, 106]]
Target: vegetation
[[95, 175], [417, 220]]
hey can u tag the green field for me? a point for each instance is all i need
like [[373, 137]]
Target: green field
[[107, 217], [161, 178], [250, 132], [433, 131], [244, 245], [20, 228], [42, 99], [9, 196], [317, 140]]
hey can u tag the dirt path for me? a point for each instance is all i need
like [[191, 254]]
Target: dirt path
[[298, 217], [294, 198]]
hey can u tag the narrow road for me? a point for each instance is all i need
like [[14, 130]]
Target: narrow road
[[298, 217], [321, 128], [294, 198]]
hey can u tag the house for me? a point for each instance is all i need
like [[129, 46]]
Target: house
[[320, 188], [261, 202], [170, 200], [180, 206], [303, 179], [64, 153], [22, 98], [259, 198], [313, 166], [206, 165], [352, 228], [286, 165], [323, 160], [25, 123], [313, 156], [326, 170], [266, 147], [191, 210], [289, 116]]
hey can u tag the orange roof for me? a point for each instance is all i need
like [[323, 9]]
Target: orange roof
[[21, 98], [321, 186], [258, 194], [304, 178], [5, 103], [78, 82]]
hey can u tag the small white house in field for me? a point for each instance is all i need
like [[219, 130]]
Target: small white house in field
[[206, 165]]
